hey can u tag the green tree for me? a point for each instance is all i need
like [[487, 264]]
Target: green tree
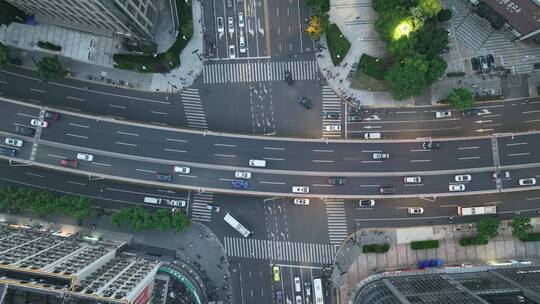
[[487, 228], [382, 6], [122, 217], [50, 68], [436, 69], [408, 79], [461, 99], [9, 13], [430, 8], [444, 15], [4, 54], [520, 227], [162, 219], [387, 23], [83, 208], [179, 221], [431, 40]]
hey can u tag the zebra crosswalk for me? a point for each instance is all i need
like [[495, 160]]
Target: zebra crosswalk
[[331, 103], [259, 71], [193, 108], [337, 222], [199, 210], [473, 30], [280, 250]]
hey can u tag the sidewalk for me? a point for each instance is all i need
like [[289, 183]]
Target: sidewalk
[[354, 266], [89, 57], [355, 19]]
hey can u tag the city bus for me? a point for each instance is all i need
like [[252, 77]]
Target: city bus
[[243, 230], [318, 297]]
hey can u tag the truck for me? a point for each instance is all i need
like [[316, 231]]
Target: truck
[[477, 210]]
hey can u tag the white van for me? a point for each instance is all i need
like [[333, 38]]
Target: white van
[[181, 169], [242, 44], [257, 163], [372, 136], [152, 200]]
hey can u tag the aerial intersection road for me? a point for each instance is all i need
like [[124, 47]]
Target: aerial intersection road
[[136, 153]]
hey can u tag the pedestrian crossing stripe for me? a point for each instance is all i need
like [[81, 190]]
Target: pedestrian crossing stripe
[[280, 250], [330, 103], [199, 210], [193, 109], [259, 71], [337, 222]]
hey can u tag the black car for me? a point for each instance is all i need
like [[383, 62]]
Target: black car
[[7, 151], [52, 115], [429, 145], [353, 118], [338, 181], [483, 62], [490, 61], [470, 112], [387, 190], [305, 102], [288, 77], [25, 130], [331, 115], [475, 64], [164, 177]]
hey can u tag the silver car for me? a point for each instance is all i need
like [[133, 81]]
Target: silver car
[[14, 142]]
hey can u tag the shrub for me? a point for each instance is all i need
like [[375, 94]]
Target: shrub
[[49, 46], [531, 237], [338, 45], [375, 248], [428, 244], [444, 15], [372, 66], [472, 241]]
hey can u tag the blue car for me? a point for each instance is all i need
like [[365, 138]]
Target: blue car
[[240, 184]]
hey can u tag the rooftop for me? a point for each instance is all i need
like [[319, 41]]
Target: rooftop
[[522, 15]]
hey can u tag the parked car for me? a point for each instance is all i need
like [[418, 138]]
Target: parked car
[[331, 115], [337, 180], [456, 187], [387, 190], [380, 155], [443, 114], [69, 163], [490, 61], [39, 123], [220, 25], [475, 64], [163, 177], [13, 142], [27, 131], [301, 201], [531, 181], [354, 118], [415, 210], [52, 115], [483, 62], [430, 145], [298, 299], [288, 77], [463, 178], [332, 128], [366, 203], [305, 102], [240, 184]]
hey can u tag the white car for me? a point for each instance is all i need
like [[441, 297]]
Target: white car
[[531, 181], [301, 201], [85, 157], [181, 169], [39, 123], [220, 25], [242, 174], [298, 299], [300, 189], [332, 128], [177, 203], [241, 22], [232, 52], [297, 285], [230, 25], [443, 114], [456, 188], [415, 210], [242, 43], [412, 179], [13, 142], [366, 203], [463, 178]]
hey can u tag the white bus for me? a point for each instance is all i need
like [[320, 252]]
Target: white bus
[[243, 230], [318, 297], [477, 210]]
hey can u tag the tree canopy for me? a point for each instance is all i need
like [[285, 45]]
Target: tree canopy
[[408, 79], [50, 68], [9, 13], [520, 227], [461, 99], [143, 219], [487, 228]]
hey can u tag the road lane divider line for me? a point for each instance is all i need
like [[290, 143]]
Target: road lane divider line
[[322, 185], [176, 140], [33, 174], [224, 155], [272, 183], [101, 164], [56, 156], [365, 186], [78, 125], [414, 185], [76, 183], [322, 161], [37, 90], [226, 179], [225, 145], [159, 113], [76, 98], [175, 150], [371, 161], [125, 144], [530, 112], [117, 106], [273, 158], [517, 144], [75, 135], [323, 151], [419, 160], [144, 170], [469, 158], [127, 133], [274, 148], [469, 148], [519, 154], [448, 206]]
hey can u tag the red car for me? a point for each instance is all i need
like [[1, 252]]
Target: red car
[[69, 163]]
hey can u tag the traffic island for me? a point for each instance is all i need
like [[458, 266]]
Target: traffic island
[[338, 45]]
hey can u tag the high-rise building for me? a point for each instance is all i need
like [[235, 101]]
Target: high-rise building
[[132, 19], [48, 267]]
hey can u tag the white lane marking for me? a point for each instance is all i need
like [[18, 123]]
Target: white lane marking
[[73, 109], [273, 148], [127, 133], [322, 185], [226, 179], [519, 154], [185, 175], [419, 160], [125, 144], [77, 125], [421, 150], [532, 198], [469, 148], [225, 155], [33, 174], [76, 98], [323, 151], [322, 161], [273, 158], [75, 135], [414, 185], [405, 112], [176, 140], [159, 113], [528, 112], [492, 115], [467, 158], [371, 161], [272, 183], [57, 156], [35, 100], [76, 183], [144, 170], [117, 106], [225, 145], [448, 206], [517, 144], [174, 150], [371, 186], [371, 151], [3, 82], [27, 115], [533, 120], [101, 164], [37, 90]]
